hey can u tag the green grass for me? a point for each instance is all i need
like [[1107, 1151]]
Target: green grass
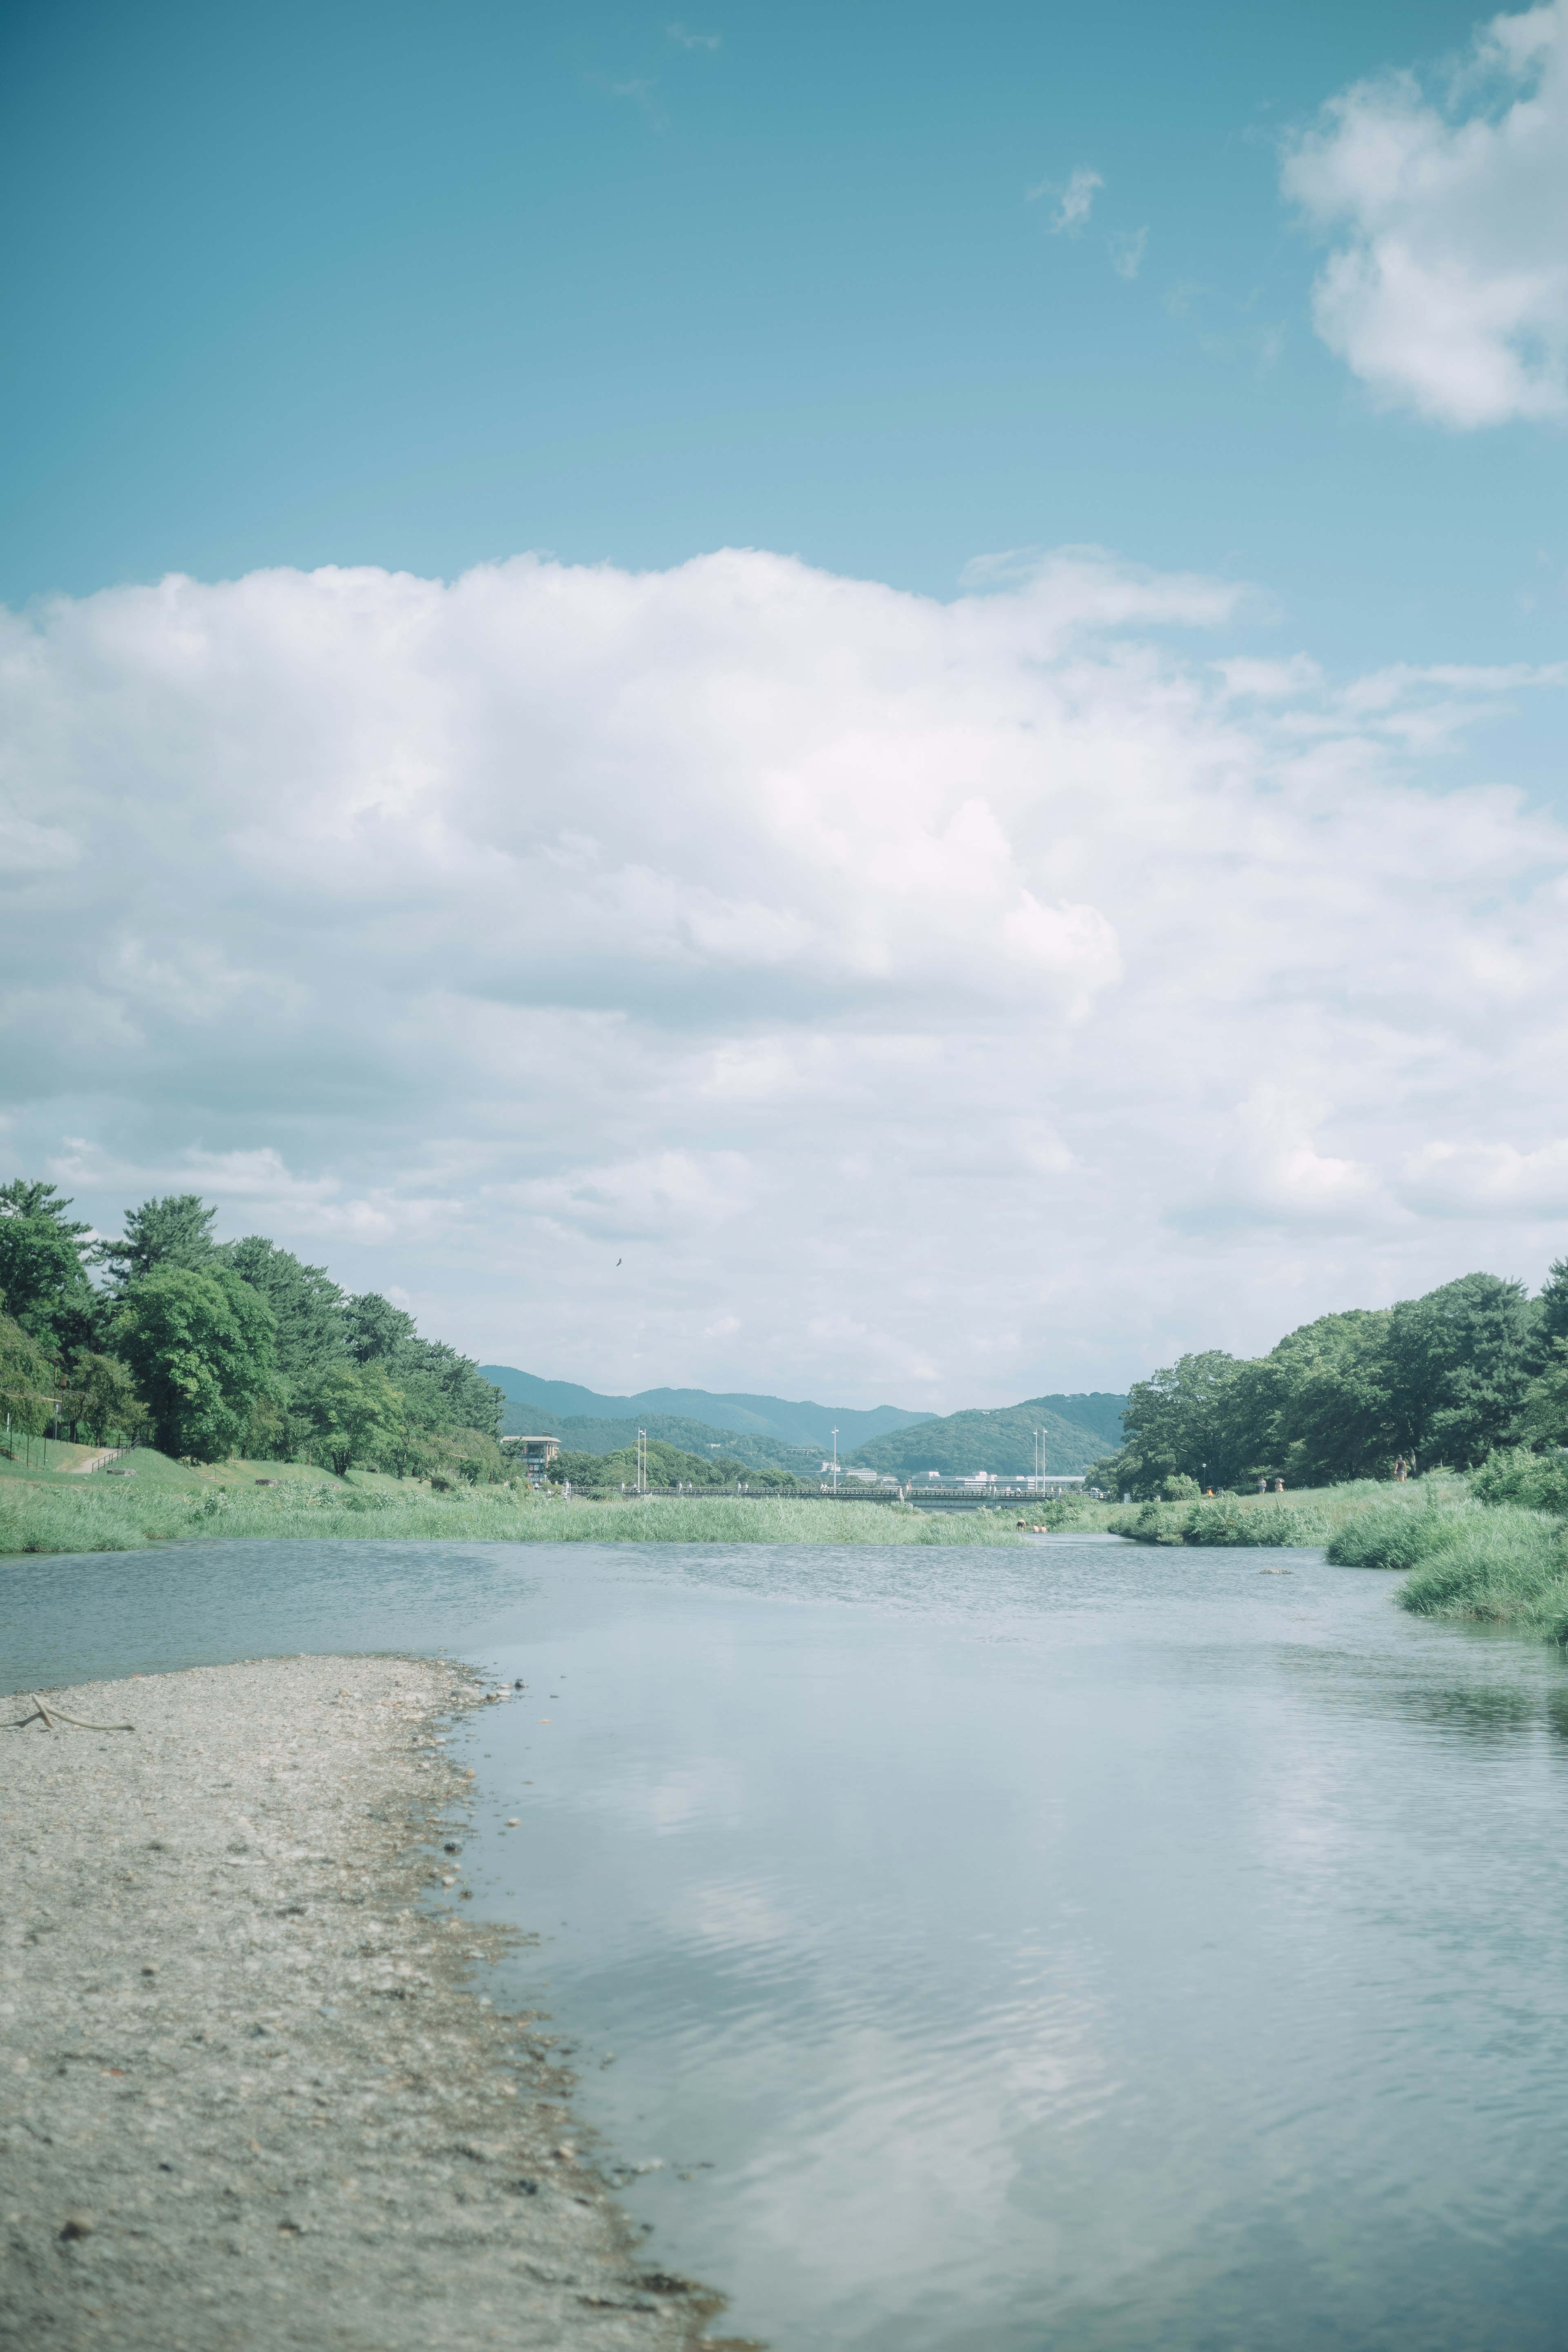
[[1490, 1564], [169, 1500], [50, 1458], [1311, 1517], [1465, 1557]]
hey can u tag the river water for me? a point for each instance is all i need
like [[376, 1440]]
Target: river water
[[1088, 1946]]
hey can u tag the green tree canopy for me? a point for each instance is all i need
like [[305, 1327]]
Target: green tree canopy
[[1543, 1418], [306, 1303], [43, 1281], [1551, 1312], [201, 1348], [99, 1400], [1191, 1420], [26, 1380], [376, 1329], [172, 1233], [1441, 1378], [442, 1389], [1459, 1362], [1328, 1385], [353, 1413]]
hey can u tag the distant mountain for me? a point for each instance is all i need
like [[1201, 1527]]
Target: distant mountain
[[587, 1434], [1078, 1431], [534, 1405]]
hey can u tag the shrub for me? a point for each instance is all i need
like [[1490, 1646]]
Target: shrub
[[1394, 1534], [1537, 1481]]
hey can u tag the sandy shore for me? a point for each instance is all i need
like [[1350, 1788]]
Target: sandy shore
[[250, 2093]]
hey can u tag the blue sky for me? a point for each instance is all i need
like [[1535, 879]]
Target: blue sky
[[418, 287], [941, 968]]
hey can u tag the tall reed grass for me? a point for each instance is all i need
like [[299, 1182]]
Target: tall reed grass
[[1312, 1518], [95, 1517], [1494, 1564], [1225, 1519]]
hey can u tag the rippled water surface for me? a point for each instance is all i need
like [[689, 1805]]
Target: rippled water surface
[[1083, 1947]]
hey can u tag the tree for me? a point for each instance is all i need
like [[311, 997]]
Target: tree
[[201, 1347], [1544, 1417], [99, 1400], [1193, 1420], [442, 1391], [43, 1281], [1329, 1398], [171, 1233], [27, 1381], [1552, 1313], [355, 1414], [376, 1330], [1457, 1366], [24, 1197], [305, 1300]]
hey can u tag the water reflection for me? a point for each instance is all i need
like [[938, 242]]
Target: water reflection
[[1078, 1945]]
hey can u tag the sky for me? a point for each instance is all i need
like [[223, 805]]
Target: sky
[[904, 668]]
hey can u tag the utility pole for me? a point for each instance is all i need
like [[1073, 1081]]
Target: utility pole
[[642, 1462], [836, 1462]]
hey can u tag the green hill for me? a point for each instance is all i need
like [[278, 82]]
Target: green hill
[[1078, 1429], [533, 1405]]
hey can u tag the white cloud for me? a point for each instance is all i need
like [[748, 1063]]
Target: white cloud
[[685, 39], [1074, 201], [931, 1002], [1448, 291], [1127, 248]]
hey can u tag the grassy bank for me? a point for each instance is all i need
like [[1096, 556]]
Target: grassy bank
[[1312, 1518], [168, 1501], [1464, 1558], [1493, 1564]]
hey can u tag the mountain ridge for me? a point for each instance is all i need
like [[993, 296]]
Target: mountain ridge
[[1078, 1431], [1079, 1428], [803, 1422]]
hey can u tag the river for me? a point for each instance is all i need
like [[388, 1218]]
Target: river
[[1116, 1949]]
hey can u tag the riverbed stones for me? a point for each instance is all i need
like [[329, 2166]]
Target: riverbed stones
[[249, 2096]]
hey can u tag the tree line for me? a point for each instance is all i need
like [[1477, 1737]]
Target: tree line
[[1445, 1380], [205, 1348], [670, 1466]]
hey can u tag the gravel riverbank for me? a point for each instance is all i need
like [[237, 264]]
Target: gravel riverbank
[[251, 2095]]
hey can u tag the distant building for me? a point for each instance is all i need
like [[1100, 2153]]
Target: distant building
[[536, 1455]]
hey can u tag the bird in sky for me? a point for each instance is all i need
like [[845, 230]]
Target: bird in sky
[[617, 1261]]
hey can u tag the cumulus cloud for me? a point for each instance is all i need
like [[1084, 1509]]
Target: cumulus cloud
[[939, 1002], [1448, 290]]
